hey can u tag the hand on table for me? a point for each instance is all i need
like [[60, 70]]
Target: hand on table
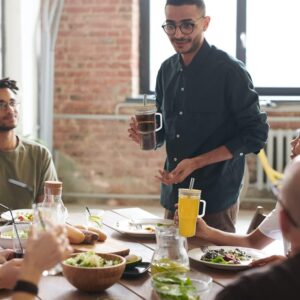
[[273, 259], [133, 131], [9, 272], [5, 255]]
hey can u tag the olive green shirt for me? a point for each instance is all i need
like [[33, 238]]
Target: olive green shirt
[[30, 164]]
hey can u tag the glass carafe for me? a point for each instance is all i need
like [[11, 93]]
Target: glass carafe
[[53, 195], [170, 254]]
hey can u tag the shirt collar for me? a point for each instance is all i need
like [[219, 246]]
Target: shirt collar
[[198, 59]]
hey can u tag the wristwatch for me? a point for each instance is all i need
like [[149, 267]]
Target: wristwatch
[[26, 287]]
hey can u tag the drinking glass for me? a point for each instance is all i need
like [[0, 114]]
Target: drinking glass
[[94, 217], [45, 217]]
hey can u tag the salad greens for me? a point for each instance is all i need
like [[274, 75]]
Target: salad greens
[[90, 260], [173, 286], [221, 256], [23, 234]]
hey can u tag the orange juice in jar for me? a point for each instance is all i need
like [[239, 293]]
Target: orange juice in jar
[[188, 210]]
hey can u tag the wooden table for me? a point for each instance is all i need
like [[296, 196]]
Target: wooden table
[[57, 287]]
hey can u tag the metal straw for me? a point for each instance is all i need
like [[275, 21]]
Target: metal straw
[[145, 100], [192, 183], [87, 209], [14, 224]]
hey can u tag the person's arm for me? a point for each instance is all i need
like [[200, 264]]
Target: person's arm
[[255, 239], [188, 166]]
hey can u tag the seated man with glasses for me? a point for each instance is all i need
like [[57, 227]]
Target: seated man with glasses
[[24, 165], [281, 281]]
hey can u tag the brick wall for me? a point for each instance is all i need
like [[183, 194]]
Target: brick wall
[[97, 67]]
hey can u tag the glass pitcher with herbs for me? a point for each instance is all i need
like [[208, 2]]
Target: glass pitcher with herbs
[[170, 253]]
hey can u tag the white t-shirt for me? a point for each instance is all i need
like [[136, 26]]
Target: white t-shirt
[[270, 227]]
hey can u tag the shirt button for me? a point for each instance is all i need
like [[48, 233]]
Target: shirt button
[[182, 89], [178, 136], [241, 154], [181, 113], [175, 159]]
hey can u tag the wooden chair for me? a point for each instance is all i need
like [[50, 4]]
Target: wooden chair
[[273, 176], [257, 218]]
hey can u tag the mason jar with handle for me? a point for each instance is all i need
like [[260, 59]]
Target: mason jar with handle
[[188, 210], [147, 127]]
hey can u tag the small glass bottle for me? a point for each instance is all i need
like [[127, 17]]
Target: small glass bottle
[[170, 253], [53, 195]]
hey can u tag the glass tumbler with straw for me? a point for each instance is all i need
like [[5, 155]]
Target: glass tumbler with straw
[[188, 209]]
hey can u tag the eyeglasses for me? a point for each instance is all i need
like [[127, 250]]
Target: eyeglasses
[[292, 220], [186, 27], [12, 103]]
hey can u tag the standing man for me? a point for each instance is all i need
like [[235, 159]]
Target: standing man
[[24, 165], [211, 117]]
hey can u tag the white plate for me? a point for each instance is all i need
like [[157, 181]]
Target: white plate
[[197, 253], [6, 242], [140, 227], [17, 212]]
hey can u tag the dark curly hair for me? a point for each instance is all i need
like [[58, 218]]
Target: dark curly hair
[[6, 83]]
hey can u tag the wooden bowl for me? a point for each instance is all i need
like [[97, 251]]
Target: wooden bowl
[[94, 279]]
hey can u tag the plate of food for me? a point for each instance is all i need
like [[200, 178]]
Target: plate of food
[[7, 235], [226, 257], [140, 227], [20, 215]]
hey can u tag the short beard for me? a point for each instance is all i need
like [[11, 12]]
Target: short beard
[[5, 128]]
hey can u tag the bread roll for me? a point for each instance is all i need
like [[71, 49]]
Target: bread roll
[[75, 236], [90, 237], [102, 236], [80, 226]]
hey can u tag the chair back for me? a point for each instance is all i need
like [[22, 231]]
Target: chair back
[[273, 176], [257, 218]]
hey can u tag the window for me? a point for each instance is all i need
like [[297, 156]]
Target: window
[[263, 34]]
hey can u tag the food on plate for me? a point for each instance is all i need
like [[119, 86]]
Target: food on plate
[[149, 228], [101, 235], [221, 256], [90, 260], [132, 260], [75, 235], [23, 234], [167, 265], [170, 285], [24, 216]]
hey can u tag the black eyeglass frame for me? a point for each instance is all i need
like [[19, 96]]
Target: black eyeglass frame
[[180, 26], [13, 104]]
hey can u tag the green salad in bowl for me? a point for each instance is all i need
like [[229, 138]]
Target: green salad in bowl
[[91, 272], [91, 260]]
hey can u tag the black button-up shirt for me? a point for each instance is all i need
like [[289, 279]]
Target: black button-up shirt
[[207, 104]]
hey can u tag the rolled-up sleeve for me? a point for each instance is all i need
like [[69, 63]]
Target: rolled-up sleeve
[[243, 102]]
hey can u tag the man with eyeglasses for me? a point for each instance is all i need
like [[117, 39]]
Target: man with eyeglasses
[[24, 165], [281, 281], [211, 117]]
